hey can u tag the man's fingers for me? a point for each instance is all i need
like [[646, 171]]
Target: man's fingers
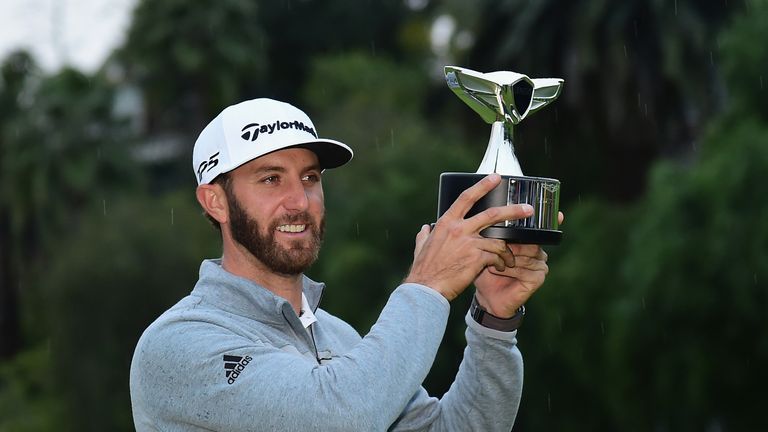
[[421, 238], [494, 215], [560, 218], [500, 248], [470, 196], [502, 256], [499, 264], [533, 251], [508, 257], [528, 263], [526, 259], [524, 275], [494, 261]]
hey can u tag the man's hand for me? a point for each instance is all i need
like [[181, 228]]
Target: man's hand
[[501, 293], [454, 253]]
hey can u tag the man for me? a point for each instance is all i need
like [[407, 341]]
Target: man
[[249, 349]]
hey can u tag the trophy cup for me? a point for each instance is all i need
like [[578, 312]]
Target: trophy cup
[[504, 99]]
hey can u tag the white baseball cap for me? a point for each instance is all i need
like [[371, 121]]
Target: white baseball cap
[[253, 128]]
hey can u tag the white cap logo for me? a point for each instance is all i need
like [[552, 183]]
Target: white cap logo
[[252, 131]]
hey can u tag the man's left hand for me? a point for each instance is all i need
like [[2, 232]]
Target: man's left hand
[[501, 293]]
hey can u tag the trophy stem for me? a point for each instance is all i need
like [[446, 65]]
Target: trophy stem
[[500, 154]]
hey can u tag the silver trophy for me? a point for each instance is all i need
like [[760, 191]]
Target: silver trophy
[[504, 99]]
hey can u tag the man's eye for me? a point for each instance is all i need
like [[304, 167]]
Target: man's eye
[[312, 178], [270, 179]]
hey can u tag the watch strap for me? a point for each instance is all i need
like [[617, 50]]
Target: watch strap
[[485, 319]]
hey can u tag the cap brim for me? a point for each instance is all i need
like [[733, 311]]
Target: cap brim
[[330, 153]]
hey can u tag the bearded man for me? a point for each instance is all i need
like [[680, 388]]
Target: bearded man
[[250, 350]]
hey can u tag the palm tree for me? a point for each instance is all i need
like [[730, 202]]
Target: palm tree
[[641, 80]]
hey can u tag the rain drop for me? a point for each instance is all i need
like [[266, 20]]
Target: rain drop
[[675, 7], [761, 82], [386, 234], [711, 58], [357, 228], [392, 137], [625, 51], [104, 206], [646, 109], [635, 29], [171, 215], [754, 276], [602, 328], [549, 402], [643, 302]]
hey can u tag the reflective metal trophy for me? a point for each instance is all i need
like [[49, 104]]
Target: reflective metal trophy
[[504, 99]]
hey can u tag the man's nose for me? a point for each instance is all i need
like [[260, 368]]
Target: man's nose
[[296, 197]]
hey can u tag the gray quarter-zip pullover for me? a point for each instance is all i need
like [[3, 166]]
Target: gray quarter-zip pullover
[[232, 356]]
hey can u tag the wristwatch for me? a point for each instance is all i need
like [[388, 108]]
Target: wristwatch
[[485, 319]]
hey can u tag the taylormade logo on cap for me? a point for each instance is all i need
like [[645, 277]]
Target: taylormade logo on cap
[[253, 128]]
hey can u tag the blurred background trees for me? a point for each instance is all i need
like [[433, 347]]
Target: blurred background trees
[[654, 313]]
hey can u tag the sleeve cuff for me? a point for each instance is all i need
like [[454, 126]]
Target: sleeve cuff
[[429, 291], [489, 332]]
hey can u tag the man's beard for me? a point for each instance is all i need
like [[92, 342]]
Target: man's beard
[[293, 260]]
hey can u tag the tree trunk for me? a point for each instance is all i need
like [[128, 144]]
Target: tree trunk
[[9, 311]]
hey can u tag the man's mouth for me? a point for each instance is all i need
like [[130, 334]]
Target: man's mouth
[[292, 228]]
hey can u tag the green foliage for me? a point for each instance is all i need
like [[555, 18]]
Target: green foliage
[[27, 400], [112, 277], [564, 339], [193, 61], [57, 157], [698, 260], [60, 154], [301, 31], [745, 62]]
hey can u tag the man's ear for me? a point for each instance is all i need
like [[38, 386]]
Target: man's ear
[[213, 199]]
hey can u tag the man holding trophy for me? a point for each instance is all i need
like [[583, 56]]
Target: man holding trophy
[[250, 350]]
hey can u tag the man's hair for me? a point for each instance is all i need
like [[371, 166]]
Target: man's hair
[[225, 181]]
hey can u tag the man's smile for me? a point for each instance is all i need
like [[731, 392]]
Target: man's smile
[[292, 228]]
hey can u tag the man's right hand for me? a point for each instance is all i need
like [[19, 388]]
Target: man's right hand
[[450, 257]]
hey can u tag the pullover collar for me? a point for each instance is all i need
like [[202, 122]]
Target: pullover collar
[[247, 298]]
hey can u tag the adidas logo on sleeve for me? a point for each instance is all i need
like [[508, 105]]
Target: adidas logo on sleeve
[[233, 365]]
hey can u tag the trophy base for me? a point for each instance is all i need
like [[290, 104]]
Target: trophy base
[[541, 193]]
